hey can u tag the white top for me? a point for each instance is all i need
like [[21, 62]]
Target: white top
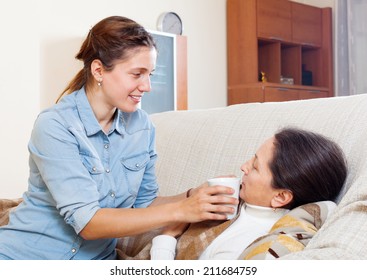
[[253, 222]]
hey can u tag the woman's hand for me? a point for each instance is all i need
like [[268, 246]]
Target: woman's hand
[[175, 230], [206, 203]]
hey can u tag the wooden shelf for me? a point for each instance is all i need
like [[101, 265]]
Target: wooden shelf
[[271, 92], [283, 39]]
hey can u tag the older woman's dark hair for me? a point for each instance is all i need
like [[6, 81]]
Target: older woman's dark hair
[[310, 165]]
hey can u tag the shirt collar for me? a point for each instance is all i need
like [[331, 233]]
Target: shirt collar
[[265, 212], [88, 118], [120, 121]]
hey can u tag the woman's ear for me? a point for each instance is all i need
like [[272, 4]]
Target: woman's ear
[[281, 198], [96, 69]]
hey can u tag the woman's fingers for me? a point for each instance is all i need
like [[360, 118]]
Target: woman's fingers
[[214, 206], [219, 190], [208, 203], [221, 195], [222, 208]]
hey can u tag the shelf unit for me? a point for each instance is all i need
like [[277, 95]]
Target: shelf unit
[[280, 38]]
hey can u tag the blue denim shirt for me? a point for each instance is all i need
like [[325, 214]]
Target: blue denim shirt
[[76, 169]]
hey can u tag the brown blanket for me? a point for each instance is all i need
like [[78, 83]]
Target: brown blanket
[[291, 233], [6, 205]]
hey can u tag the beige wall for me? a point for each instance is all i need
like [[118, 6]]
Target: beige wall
[[39, 39]]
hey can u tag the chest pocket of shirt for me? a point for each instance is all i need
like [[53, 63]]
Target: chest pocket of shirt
[[94, 167], [134, 168]]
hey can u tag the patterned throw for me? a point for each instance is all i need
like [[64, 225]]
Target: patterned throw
[[189, 246], [291, 233]]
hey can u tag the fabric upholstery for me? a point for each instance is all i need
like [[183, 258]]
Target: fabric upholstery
[[200, 144]]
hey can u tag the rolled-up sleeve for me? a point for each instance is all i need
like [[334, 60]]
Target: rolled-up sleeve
[[55, 153]]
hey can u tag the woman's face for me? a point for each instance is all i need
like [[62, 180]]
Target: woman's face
[[125, 85], [256, 186]]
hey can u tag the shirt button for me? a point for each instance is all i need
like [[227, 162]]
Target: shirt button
[[137, 165], [73, 250], [106, 146], [108, 171], [112, 194], [94, 168]]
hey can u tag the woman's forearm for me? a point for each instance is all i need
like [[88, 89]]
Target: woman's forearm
[[120, 222], [168, 199], [203, 204]]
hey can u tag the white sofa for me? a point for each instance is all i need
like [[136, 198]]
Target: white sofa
[[198, 144]]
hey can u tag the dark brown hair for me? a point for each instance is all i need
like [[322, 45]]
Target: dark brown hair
[[111, 39], [310, 165]]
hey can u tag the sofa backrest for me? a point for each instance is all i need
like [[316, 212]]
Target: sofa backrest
[[199, 144], [196, 145]]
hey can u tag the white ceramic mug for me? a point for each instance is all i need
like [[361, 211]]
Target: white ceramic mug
[[232, 182]]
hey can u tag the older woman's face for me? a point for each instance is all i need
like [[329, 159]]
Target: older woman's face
[[256, 186]]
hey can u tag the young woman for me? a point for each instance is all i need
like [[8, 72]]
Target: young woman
[[293, 168], [92, 159]]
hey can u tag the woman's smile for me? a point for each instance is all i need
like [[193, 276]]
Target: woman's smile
[[136, 97]]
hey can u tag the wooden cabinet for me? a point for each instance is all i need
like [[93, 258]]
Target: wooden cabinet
[[246, 94], [278, 93], [309, 94], [281, 39], [274, 19], [273, 93], [306, 24]]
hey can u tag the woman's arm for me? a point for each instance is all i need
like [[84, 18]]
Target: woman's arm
[[55, 148], [178, 197], [203, 204]]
